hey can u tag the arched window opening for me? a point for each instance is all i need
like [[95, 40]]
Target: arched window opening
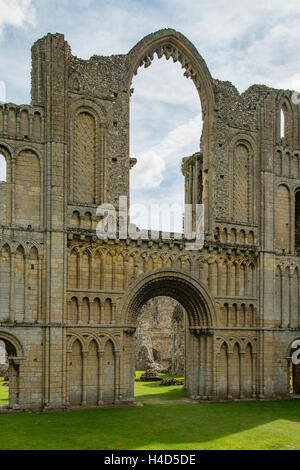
[[3, 168], [297, 221], [166, 126], [284, 125]]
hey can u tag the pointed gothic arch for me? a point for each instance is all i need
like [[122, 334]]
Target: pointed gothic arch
[[171, 43]]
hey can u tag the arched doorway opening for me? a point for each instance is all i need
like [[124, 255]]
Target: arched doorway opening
[[200, 312], [160, 344], [13, 354]]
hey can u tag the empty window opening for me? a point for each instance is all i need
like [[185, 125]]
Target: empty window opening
[[166, 126], [283, 122]]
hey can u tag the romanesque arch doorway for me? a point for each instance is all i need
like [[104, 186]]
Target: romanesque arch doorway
[[200, 312]]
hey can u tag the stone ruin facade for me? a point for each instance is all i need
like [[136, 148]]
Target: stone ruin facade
[[69, 301], [160, 336]]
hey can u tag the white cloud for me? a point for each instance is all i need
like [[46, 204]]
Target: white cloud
[[17, 13], [151, 164], [243, 42]]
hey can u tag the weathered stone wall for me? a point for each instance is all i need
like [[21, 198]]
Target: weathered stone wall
[[69, 301], [179, 333]]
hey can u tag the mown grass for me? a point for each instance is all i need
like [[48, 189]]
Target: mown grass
[[145, 391], [174, 425]]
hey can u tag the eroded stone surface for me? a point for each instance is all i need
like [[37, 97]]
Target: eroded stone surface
[[69, 301]]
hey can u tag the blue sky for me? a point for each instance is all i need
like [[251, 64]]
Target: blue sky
[[244, 42]]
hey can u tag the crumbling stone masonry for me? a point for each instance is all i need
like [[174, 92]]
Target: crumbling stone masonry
[[68, 301], [160, 336]]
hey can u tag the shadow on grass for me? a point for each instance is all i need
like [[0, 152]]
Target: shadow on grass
[[232, 425], [246, 425]]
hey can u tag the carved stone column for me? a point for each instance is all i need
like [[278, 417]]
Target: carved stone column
[[253, 369], [216, 372], [242, 355], [68, 354], [246, 281], [40, 281], [100, 376], [12, 286], [69, 303], [26, 270], [84, 361], [117, 355], [209, 365], [114, 272], [78, 273], [91, 311], [114, 309], [229, 375], [238, 281], [101, 311], [79, 303], [201, 390], [102, 271]]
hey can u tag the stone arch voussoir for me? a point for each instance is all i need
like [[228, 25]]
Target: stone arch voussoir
[[14, 346], [180, 285]]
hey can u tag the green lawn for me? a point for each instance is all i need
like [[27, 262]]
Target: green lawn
[[149, 391], [3, 393], [169, 424]]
